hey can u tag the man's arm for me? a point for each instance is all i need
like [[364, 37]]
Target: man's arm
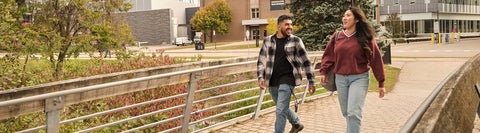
[[306, 64], [307, 67], [261, 66]]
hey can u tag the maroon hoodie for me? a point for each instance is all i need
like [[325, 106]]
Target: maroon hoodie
[[349, 58]]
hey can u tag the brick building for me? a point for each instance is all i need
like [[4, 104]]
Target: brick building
[[249, 18]]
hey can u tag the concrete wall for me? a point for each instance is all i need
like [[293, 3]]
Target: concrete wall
[[177, 7], [145, 25], [454, 109], [152, 26]]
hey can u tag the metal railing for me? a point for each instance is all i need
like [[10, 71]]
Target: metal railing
[[54, 103]]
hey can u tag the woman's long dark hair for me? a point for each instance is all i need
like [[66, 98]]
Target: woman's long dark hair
[[365, 31]]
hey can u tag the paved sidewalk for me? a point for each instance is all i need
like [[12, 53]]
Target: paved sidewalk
[[418, 78]]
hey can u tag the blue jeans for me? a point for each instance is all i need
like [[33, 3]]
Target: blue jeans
[[352, 90], [281, 96]]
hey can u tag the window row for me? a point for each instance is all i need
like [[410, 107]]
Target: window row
[[446, 26]]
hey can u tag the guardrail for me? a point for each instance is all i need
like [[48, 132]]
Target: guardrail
[[54, 102], [452, 106]]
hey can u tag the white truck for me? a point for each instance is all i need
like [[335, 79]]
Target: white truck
[[182, 41]]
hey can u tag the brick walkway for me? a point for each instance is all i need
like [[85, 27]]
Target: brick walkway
[[418, 78]]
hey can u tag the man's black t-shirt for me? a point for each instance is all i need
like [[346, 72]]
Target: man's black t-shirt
[[282, 69]]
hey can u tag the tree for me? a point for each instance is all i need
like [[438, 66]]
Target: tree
[[16, 39], [393, 25], [272, 26], [318, 19], [67, 27], [216, 16]]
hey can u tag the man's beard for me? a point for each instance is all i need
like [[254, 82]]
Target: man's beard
[[284, 32]]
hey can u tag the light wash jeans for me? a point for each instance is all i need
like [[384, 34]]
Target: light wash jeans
[[352, 90], [281, 96]]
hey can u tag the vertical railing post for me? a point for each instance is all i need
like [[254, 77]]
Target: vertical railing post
[[259, 104], [192, 87], [304, 95], [53, 106]]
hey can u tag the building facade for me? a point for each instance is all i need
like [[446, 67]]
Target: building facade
[[423, 16], [162, 28], [151, 26], [249, 18]]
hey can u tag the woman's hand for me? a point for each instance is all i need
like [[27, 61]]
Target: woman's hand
[[322, 80], [381, 92]]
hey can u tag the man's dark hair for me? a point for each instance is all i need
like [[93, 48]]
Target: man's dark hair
[[283, 17]]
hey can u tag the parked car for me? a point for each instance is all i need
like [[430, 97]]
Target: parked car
[[182, 41]]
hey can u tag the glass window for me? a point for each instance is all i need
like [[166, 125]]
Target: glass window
[[478, 26], [470, 28], [277, 4], [395, 2], [381, 2], [255, 13], [428, 26]]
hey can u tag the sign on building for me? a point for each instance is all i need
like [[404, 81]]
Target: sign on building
[[436, 27]]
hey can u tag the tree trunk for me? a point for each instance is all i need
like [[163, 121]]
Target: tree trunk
[[211, 36], [23, 79], [59, 66], [204, 37]]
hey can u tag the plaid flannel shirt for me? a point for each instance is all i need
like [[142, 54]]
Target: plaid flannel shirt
[[296, 55]]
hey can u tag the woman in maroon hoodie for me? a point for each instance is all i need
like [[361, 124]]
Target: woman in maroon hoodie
[[352, 55]]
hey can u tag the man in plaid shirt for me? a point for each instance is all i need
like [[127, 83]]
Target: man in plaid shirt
[[279, 65]]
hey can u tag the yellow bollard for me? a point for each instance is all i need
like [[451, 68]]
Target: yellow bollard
[[433, 38], [459, 36], [452, 37], [439, 38]]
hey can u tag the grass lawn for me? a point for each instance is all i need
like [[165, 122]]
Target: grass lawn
[[390, 81]]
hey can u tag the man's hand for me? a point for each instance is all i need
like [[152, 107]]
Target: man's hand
[[311, 89], [322, 80], [381, 92], [261, 84]]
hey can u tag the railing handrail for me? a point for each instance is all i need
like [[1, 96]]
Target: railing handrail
[[417, 115], [110, 84], [197, 72]]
